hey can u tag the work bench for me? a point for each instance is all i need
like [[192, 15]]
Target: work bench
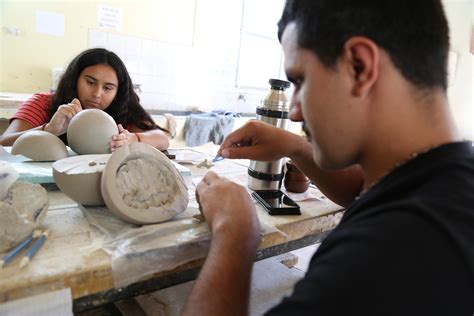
[[67, 262]]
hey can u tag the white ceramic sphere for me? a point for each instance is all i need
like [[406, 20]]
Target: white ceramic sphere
[[90, 132], [39, 146]]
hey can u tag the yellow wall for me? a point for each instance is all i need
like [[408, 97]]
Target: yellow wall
[[26, 60]]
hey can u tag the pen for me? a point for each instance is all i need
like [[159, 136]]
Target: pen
[[25, 243], [34, 249]]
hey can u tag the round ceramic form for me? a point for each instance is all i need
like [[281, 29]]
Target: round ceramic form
[[90, 132], [39, 146], [79, 177]]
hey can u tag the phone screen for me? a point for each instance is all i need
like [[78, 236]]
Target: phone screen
[[277, 203]]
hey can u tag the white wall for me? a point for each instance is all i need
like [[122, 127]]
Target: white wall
[[190, 54], [235, 52], [460, 15], [227, 66]]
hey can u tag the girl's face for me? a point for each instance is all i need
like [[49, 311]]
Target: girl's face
[[97, 87]]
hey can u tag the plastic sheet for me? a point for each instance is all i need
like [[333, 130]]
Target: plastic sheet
[[138, 252]]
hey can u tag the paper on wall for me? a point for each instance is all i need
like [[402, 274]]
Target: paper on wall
[[50, 23], [109, 17]]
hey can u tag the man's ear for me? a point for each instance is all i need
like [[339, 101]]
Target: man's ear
[[362, 57]]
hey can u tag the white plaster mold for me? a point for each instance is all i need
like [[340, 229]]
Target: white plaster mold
[[23, 208], [140, 185]]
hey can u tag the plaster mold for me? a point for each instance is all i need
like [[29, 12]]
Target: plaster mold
[[22, 210], [141, 185], [8, 175], [79, 177], [90, 132], [39, 146]]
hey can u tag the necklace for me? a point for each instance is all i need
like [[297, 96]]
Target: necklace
[[396, 166]]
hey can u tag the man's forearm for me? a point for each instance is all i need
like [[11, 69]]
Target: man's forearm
[[223, 285]]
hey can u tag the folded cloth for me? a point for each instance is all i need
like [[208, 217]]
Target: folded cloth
[[223, 112], [222, 127], [202, 128], [171, 124]]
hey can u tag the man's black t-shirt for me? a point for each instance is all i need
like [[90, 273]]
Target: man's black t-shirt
[[406, 247]]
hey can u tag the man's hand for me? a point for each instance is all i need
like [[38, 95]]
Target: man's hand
[[124, 137], [223, 285], [228, 209], [260, 141], [60, 120], [264, 142]]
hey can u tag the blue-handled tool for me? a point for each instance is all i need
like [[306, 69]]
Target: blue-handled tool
[[34, 249], [217, 158], [24, 244]]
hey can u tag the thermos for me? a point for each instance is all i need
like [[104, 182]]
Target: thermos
[[272, 110]]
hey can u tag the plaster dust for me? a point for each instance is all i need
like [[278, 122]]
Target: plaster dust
[[82, 164]]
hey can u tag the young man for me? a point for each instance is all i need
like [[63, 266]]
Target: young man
[[370, 88]]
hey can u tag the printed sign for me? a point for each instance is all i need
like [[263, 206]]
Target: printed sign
[[109, 17]]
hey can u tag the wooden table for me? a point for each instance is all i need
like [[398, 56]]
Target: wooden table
[[62, 262]]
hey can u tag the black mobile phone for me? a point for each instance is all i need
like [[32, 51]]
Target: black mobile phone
[[277, 202]]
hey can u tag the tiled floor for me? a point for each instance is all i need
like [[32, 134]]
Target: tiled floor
[[304, 256]]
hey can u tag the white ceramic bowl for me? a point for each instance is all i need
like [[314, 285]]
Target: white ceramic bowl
[[79, 177]]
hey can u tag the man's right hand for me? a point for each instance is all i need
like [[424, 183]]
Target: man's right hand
[[261, 141], [60, 120], [264, 142]]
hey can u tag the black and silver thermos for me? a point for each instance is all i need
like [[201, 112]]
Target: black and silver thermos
[[272, 110]]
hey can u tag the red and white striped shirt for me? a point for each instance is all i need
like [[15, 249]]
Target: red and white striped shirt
[[35, 109]]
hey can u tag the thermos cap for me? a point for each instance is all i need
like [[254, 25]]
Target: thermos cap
[[279, 84]]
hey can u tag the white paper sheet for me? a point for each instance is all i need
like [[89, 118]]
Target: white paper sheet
[[50, 23]]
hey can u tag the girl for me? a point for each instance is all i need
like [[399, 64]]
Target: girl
[[95, 79]]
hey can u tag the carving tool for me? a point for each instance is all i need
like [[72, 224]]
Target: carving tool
[[34, 249], [217, 158], [23, 245]]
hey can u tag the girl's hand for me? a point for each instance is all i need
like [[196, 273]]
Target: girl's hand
[[60, 120], [124, 137]]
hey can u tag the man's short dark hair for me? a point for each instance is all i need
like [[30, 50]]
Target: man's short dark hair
[[414, 33]]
